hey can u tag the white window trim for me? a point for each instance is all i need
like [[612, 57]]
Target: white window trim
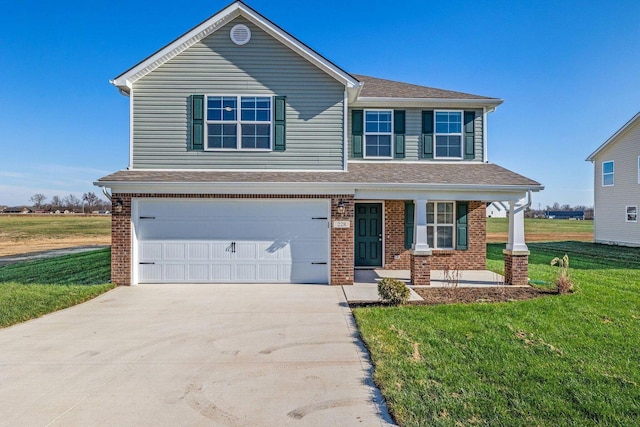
[[638, 169], [461, 134], [365, 133], [436, 224], [626, 213], [239, 122], [613, 173]]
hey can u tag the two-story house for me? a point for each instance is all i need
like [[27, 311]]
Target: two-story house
[[617, 186], [255, 159]]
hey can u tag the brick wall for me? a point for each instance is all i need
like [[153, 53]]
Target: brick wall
[[516, 269], [342, 251], [420, 269], [474, 258]]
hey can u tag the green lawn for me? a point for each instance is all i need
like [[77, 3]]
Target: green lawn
[[542, 226], [569, 360], [31, 289], [19, 227]]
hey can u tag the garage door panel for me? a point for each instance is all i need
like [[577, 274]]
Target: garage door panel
[[233, 241]]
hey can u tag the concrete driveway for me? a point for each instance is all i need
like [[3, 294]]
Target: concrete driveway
[[222, 355]]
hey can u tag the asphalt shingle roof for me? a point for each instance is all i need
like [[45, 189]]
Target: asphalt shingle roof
[[380, 88], [432, 173]]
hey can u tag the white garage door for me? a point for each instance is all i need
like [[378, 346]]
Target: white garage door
[[243, 241]]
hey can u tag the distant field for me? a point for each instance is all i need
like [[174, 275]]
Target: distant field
[[31, 233], [542, 230]]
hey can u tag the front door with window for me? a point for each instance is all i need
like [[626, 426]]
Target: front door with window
[[368, 235]]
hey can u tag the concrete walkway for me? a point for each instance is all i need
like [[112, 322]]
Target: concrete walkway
[[197, 355]]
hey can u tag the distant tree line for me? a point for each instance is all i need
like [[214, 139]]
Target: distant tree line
[[88, 203], [539, 213]]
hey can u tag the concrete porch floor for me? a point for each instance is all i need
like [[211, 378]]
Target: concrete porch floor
[[365, 284]]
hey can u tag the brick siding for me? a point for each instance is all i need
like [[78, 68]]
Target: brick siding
[[516, 269], [474, 258], [420, 269]]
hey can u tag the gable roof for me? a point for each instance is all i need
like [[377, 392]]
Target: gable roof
[[374, 87], [126, 80], [614, 137]]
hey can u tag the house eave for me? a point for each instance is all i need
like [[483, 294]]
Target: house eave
[[126, 80], [425, 102], [614, 137]]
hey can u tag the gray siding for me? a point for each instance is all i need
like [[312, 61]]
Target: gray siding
[[414, 133], [611, 202], [217, 66]]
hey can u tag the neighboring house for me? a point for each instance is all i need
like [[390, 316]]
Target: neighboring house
[[255, 159], [617, 186], [17, 210], [497, 210], [564, 215]]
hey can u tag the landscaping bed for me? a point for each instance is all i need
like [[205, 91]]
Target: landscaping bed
[[432, 296]]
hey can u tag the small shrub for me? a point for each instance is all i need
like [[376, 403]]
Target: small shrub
[[393, 291], [563, 284]]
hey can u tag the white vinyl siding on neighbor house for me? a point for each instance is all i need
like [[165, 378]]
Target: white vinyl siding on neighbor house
[[608, 173], [612, 224], [413, 133], [216, 66]]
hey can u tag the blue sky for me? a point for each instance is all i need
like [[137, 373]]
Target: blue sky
[[568, 72]]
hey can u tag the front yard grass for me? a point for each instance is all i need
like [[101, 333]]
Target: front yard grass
[[32, 289], [556, 360]]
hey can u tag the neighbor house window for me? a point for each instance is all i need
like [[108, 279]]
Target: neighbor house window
[[638, 169], [238, 122], [378, 132], [440, 224], [607, 174], [448, 134], [632, 214]]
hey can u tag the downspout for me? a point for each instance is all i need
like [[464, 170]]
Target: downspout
[[345, 124], [520, 208], [106, 193]]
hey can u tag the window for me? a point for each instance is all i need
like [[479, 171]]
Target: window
[[632, 214], [448, 134], [238, 122], [607, 174], [378, 129], [440, 225], [638, 169]]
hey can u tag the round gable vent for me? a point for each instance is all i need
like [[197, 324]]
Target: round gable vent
[[240, 34]]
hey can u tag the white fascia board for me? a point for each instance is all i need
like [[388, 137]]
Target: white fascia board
[[126, 80], [425, 102], [440, 195], [308, 188], [633, 121]]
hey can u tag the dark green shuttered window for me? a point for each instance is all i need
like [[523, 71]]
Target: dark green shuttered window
[[197, 122], [357, 133], [279, 123], [426, 139], [409, 213], [398, 133], [469, 143], [462, 225]]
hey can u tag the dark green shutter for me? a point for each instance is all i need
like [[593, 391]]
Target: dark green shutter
[[357, 132], [279, 123], [197, 122], [426, 139], [398, 133], [409, 213], [469, 140], [462, 225]]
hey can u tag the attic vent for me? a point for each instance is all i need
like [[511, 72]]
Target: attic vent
[[240, 34]]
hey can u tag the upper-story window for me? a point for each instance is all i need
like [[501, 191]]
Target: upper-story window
[[638, 169], [440, 224], [448, 134], [238, 123], [378, 133], [607, 173], [632, 213]]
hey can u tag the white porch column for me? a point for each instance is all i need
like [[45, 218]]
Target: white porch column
[[516, 242], [420, 244]]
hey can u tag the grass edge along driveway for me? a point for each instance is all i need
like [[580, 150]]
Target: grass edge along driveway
[[32, 289], [555, 360]]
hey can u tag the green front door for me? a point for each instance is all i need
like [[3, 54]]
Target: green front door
[[368, 244]]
